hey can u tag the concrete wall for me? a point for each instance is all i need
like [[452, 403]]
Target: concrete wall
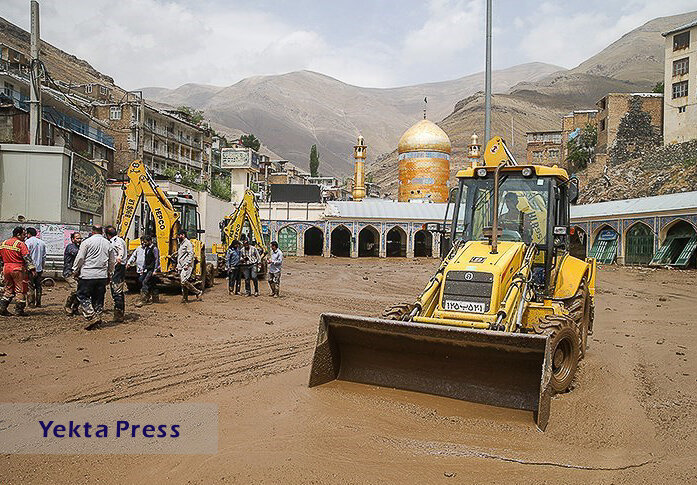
[[34, 183], [680, 127]]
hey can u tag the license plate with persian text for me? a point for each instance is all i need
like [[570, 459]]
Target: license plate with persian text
[[464, 306]]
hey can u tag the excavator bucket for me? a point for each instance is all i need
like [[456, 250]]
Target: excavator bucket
[[502, 369]]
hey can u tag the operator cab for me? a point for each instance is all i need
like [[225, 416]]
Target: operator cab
[[183, 204], [533, 209]]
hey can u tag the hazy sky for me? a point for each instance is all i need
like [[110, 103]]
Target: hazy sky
[[368, 43]]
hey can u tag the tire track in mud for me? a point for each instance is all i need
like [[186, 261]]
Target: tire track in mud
[[205, 368]]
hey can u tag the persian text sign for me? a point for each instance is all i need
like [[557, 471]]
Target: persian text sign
[[110, 428], [87, 186], [237, 158]]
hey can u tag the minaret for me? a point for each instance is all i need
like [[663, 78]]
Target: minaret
[[358, 171], [474, 151]]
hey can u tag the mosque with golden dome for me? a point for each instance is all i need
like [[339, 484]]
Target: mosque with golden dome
[[424, 163]]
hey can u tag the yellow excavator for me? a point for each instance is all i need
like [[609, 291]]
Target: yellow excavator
[[244, 222], [503, 321], [161, 215]]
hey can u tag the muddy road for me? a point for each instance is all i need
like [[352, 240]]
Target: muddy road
[[631, 417]]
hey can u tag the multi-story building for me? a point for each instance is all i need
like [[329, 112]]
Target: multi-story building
[[613, 107], [543, 147], [680, 84], [64, 123], [571, 126], [163, 139]]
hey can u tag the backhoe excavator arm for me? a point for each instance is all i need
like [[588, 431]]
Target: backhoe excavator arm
[[141, 186], [246, 211]]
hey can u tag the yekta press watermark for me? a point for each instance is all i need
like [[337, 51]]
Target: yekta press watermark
[[112, 428]]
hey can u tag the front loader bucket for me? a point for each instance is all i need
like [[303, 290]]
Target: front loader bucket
[[502, 369]]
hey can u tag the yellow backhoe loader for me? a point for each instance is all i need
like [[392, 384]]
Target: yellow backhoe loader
[[505, 318], [245, 221], [161, 216]]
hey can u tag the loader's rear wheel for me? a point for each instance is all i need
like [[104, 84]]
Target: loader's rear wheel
[[397, 312], [580, 308], [564, 350]]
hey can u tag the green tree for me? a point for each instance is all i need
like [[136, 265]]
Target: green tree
[[250, 141], [314, 161], [658, 88], [582, 148], [188, 178], [194, 116], [220, 187]]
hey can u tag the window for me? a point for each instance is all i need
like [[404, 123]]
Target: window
[[537, 156], [103, 90], [602, 125], [115, 113], [681, 41], [679, 89], [681, 109], [88, 88], [553, 154], [9, 89], [681, 66]]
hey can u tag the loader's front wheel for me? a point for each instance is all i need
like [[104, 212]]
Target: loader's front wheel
[[397, 312], [564, 351]]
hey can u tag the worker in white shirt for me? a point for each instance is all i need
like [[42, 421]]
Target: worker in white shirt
[[93, 266], [185, 266], [118, 278]]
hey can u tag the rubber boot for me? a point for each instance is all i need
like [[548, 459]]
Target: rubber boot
[[142, 300], [30, 297], [19, 309], [3, 307], [185, 294], [272, 285], [69, 306], [118, 315], [278, 289], [39, 293]]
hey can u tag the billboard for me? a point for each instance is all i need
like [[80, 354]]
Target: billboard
[[295, 193], [238, 158], [87, 186]]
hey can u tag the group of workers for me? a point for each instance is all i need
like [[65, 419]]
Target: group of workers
[[242, 261], [101, 259], [89, 266]]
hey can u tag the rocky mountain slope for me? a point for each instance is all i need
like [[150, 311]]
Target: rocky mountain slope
[[291, 112], [61, 65], [633, 63]]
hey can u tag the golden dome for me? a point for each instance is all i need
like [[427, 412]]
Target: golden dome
[[424, 136]]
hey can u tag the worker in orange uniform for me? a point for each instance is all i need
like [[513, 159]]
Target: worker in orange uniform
[[17, 262]]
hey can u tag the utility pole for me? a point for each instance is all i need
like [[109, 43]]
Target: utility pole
[[487, 79], [35, 91]]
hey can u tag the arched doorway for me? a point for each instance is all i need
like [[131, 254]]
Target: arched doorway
[[423, 244], [368, 242], [340, 242], [288, 241], [396, 243], [313, 241], [679, 246], [577, 243], [604, 248], [639, 244]]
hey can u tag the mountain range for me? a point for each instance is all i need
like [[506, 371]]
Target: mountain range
[[291, 112]]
